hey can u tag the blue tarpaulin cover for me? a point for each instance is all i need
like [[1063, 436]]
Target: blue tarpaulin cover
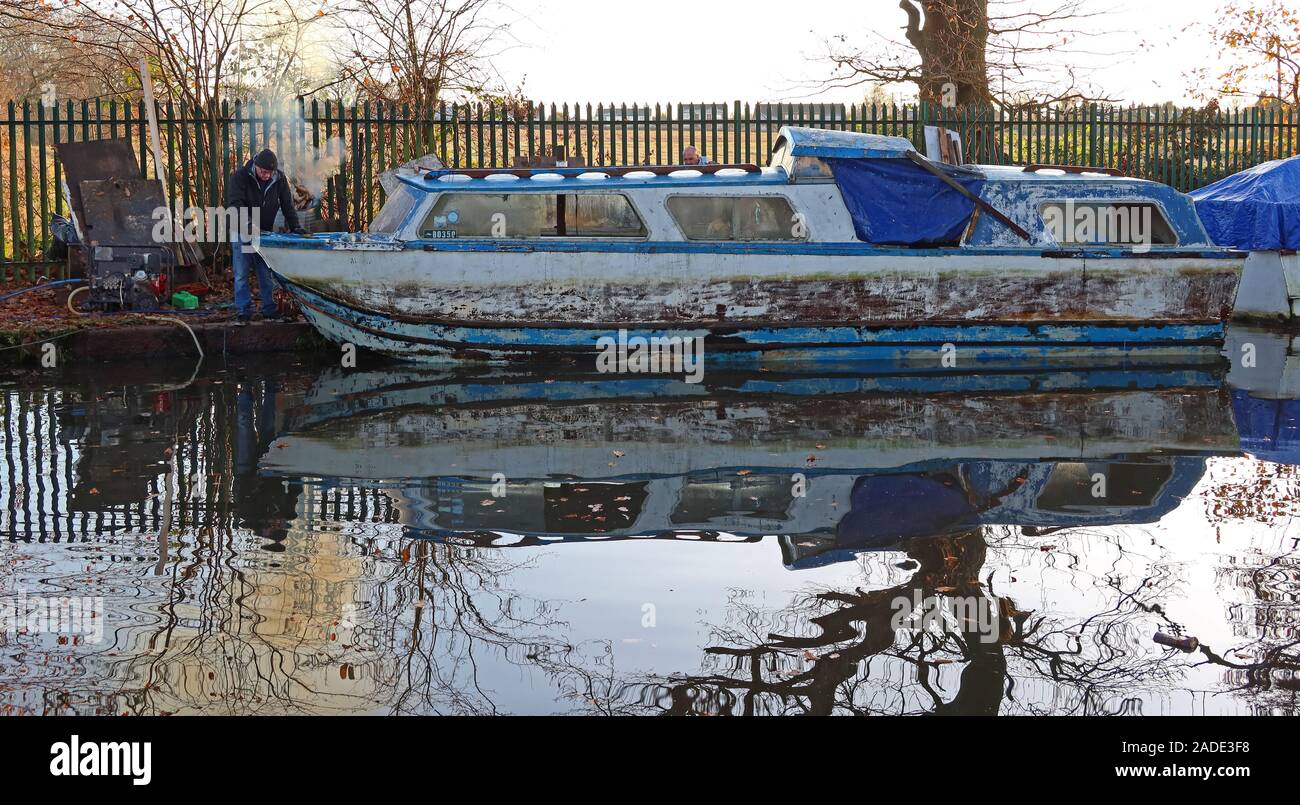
[[1255, 210], [897, 203]]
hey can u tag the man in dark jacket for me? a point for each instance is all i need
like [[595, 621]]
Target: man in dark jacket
[[263, 190]]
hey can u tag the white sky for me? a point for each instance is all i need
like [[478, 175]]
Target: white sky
[[677, 50]]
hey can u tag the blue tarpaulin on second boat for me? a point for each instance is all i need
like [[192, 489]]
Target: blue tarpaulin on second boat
[[1255, 210], [897, 203]]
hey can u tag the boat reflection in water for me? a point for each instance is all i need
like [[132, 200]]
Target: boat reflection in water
[[272, 539], [830, 465]]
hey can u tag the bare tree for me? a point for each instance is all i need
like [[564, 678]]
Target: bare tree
[[31, 63], [420, 51], [972, 52], [197, 50]]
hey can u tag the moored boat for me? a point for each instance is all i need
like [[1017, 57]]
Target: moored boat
[[1258, 211], [847, 246]]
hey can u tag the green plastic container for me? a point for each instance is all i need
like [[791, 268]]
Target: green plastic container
[[184, 300]]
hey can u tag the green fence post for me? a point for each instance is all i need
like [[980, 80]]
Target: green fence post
[[13, 179], [58, 173], [44, 177], [1092, 135], [355, 190], [30, 187], [736, 123]]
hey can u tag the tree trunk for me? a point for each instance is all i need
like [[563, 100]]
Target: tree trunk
[[952, 45]]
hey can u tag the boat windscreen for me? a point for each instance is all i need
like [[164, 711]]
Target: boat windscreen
[[395, 210], [894, 202]]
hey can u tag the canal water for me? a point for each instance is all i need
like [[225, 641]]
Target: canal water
[[265, 536]]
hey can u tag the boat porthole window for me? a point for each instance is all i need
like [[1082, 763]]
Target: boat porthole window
[[722, 218]]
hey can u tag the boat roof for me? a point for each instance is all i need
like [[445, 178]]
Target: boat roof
[[799, 142], [824, 143]]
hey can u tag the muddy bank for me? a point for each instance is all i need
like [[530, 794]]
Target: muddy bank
[[140, 338]]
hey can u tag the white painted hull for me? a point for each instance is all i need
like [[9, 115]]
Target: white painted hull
[[634, 288], [1270, 287]]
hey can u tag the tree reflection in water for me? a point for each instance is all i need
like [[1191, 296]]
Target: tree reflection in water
[[843, 655], [1266, 665]]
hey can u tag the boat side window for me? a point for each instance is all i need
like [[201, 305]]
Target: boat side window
[[396, 208], [532, 215], [601, 215], [1072, 487], [489, 215], [736, 218], [1107, 223]]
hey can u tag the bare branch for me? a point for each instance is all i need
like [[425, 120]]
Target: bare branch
[[966, 45]]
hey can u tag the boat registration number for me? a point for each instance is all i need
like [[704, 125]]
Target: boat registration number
[[439, 234]]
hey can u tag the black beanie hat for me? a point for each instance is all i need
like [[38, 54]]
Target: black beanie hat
[[266, 160]]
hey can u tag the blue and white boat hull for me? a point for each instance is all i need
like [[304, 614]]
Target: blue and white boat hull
[[915, 311]]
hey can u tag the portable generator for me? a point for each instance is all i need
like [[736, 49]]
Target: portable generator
[[115, 212]]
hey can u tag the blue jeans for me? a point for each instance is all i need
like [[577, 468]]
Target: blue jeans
[[265, 282]]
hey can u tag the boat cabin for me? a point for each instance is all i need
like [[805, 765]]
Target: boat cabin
[[821, 187]]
